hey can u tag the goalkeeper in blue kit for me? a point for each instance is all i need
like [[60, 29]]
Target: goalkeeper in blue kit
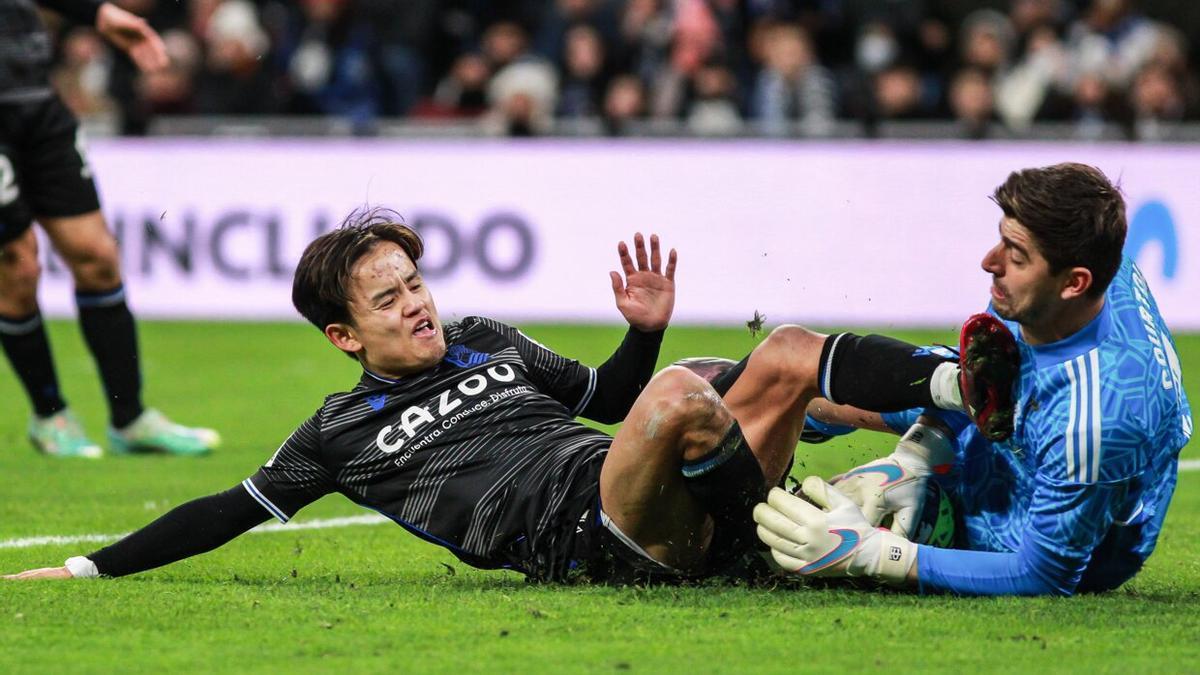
[[1071, 496]]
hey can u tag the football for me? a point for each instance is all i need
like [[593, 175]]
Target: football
[[936, 524]]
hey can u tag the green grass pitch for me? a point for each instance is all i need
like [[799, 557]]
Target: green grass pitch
[[373, 599]]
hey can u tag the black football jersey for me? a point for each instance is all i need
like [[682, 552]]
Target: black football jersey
[[480, 454], [25, 52], [26, 48]]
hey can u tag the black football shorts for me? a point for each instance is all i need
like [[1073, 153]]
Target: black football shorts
[[43, 171]]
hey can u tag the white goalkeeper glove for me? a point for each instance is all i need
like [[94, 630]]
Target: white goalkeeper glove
[[896, 485], [834, 540]]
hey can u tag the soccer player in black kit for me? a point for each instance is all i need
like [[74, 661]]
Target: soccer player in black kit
[[465, 433], [45, 176]]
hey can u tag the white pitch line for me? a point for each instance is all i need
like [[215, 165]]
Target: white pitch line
[[322, 524], [64, 540]]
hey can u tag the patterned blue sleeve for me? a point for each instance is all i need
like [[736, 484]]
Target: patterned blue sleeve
[[827, 428], [900, 422], [1067, 520]]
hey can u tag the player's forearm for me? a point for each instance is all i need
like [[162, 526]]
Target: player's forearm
[[80, 11], [1066, 522], [837, 415], [987, 573], [187, 530], [620, 379], [822, 412]]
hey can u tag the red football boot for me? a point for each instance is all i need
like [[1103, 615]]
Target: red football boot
[[989, 364]]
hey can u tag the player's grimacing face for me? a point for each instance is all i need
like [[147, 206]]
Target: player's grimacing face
[[394, 318], [1023, 288]]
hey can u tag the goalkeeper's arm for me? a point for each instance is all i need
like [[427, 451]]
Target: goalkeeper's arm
[[196, 527], [828, 536], [1033, 570], [1067, 521], [824, 534]]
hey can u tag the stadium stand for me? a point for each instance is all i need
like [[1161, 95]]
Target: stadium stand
[[1065, 69]]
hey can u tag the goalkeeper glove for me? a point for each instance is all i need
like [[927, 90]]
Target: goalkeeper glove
[[895, 485], [830, 539]]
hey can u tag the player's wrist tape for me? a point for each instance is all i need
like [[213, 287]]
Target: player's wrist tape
[[926, 445], [81, 567], [896, 558]]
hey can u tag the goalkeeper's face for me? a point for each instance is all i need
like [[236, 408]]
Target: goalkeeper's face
[[1024, 289], [395, 329]]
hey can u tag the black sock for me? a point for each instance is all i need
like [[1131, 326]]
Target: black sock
[[28, 350], [876, 373], [724, 382], [727, 483], [110, 333]]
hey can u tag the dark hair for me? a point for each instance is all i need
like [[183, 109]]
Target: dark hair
[[1076, 216], [320, 289]]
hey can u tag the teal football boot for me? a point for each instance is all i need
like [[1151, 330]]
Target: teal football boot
[[61, 435], [153, 432]]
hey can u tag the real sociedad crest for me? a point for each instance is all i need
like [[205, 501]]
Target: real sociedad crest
[[464, 357]]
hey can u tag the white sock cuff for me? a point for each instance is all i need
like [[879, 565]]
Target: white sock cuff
[[82, 568], [944, 389]]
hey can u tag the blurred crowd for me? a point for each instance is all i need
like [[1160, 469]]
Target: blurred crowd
[[707, 67]]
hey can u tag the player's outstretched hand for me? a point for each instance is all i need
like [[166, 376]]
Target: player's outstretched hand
[[646, 297], [132, 35], [42, 573]]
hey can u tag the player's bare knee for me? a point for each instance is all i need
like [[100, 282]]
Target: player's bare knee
[[673, 379], [20, 268], [790, 355], [18, 282], [96, 266], [682, 404], [705, 429]]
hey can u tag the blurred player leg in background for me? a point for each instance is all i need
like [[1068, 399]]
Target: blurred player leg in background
[[53, 429], [49, 179]]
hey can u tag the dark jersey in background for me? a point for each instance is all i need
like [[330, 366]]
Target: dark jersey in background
[[43, 171], [25, 48]]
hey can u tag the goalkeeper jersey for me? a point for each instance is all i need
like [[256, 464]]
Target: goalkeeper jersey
[[480, 454], [1076, 498]]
